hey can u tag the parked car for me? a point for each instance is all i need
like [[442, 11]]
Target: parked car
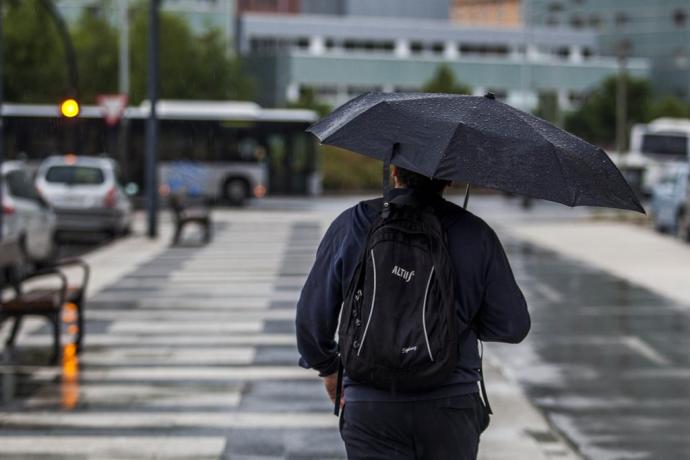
[[27, 218], [668, 205], [86, 193]]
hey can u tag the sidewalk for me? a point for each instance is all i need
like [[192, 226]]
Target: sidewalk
[[635, 253], [190, 353]]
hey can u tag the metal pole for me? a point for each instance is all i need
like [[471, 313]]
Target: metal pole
[[524, 68], [467, 196], [2, 133], [124, 84], [152, 125], [621, 99]]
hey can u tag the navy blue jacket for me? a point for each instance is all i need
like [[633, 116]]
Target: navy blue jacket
[[485, 284]]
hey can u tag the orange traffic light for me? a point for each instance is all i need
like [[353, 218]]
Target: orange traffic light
[[69, 108]]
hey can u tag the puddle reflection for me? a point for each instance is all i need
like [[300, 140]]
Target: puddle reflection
[[69, 383]]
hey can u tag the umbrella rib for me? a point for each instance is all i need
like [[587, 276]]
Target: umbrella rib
[[554, 149], [450, 139], [342, 125]]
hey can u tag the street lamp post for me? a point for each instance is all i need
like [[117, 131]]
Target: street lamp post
[[2, 132], [123, 83], [621, 96], [152, 124]]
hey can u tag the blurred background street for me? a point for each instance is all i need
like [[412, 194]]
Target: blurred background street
[[162, 205]]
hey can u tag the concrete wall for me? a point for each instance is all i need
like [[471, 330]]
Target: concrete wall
[[416, 9], [334, 7]]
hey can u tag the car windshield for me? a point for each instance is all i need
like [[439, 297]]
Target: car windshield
[[664, 144], [75, 175]]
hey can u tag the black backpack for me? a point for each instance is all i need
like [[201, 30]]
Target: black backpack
[[399, 327]]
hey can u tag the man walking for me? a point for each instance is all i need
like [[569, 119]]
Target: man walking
[[443, 421]]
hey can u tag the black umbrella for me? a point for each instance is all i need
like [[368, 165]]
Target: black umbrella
[[480, 141]]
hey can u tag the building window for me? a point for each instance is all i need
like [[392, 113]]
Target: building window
[[622, 19], [552, 21], [484, 50], [577, 22], [416, 47], [368, 45], [555, 7], [563, 52], [437, 48], [680, 58], [595, 21], [680, 17]]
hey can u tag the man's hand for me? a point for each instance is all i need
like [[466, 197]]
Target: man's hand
[[331, 384]]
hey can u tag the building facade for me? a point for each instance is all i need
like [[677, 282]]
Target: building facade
[[426, 9], [487, 13], [658, 31], [341, 57]]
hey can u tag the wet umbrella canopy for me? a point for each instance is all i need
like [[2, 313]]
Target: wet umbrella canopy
[[480, 141]]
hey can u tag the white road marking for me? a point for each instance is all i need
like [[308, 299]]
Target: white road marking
[[646, 350], [183, 327], [144, 396], [169, 355], [548, 292], [111, 447], [177, 340], [198, 373], [115, 420]]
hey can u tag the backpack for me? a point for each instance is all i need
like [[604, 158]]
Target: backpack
[[399, 329]]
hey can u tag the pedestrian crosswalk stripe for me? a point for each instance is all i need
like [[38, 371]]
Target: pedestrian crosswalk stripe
[[105, 447], [167, 340], [166, 327], [145, 396], [171, 420]]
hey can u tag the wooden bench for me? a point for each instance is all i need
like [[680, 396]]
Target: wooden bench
[[187, 211], [47, 302]]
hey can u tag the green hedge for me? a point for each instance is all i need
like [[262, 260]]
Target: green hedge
[[346, 171]]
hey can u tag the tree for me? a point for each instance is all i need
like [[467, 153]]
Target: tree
[[190, 67], [307, 100], [96, 45], [35, 69], [444, 81], [668, 106], [548, 107], [595, 120]]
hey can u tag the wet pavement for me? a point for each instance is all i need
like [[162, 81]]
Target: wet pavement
[[191, 355], [607, 361]]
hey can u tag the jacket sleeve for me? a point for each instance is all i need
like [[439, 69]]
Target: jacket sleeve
[[319, 305], [503, 315]]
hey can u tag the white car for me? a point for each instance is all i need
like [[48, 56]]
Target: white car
[[668, 205], [86, 194], [27, 218]]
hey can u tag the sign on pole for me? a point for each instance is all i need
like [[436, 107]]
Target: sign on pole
[[112, 106]]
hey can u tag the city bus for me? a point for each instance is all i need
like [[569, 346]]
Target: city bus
[[225, 150]]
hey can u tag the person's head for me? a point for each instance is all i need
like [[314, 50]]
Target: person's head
[[404, 178]]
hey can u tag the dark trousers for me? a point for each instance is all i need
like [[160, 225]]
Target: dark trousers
[[440, 429]]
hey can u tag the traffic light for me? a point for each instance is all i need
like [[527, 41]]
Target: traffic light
[[69, 108]]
